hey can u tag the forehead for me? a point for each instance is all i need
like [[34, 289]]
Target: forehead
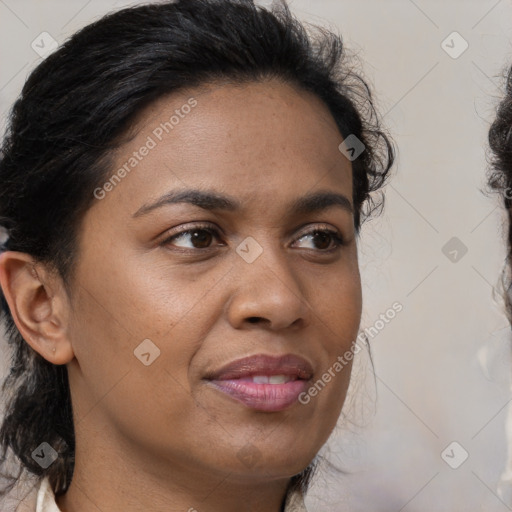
[[260, 141]]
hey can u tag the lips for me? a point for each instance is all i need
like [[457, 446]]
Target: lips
[[289, 365], [262, 382]]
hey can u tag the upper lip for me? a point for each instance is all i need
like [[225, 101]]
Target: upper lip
[[261, 364]]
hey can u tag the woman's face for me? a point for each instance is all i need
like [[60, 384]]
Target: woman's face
[[167, 295]]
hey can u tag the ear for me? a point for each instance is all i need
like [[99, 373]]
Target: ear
[[39, 305]]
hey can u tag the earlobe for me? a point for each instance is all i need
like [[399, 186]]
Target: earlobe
[[38, 304]]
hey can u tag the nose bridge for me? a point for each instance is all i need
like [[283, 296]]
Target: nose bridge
[[266, 286]]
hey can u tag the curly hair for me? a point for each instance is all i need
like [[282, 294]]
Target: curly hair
[[500, 175], [69, 117]]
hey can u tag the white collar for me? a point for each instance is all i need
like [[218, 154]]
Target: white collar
[[46, 498]]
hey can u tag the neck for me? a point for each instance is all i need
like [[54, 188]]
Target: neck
[[117, 478]]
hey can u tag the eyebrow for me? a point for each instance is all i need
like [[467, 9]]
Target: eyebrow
[[211, 200]]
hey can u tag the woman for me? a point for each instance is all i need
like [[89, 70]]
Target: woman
[[153, 368]]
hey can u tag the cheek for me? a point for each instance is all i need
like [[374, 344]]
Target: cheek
[[341, 302], [114, 316], [119, 307], [138, 301]]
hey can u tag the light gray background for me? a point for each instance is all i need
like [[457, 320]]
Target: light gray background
[[431, 388]]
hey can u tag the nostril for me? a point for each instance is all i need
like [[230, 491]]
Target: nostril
[[253, 319]]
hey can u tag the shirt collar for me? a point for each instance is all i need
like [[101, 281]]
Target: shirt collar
[[46, 498]]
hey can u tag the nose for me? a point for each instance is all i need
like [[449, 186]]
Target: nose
[[267, 292]]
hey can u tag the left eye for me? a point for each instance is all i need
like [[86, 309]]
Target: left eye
[[322, 236], [201, 237]]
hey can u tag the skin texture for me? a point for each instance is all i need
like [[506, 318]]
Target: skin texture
[[158, 437]]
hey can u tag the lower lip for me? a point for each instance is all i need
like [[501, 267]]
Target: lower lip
[[262, 397]]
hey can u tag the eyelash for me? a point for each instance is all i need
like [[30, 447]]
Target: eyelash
[[335, 235]]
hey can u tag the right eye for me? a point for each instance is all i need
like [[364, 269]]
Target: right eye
[[200, 237]]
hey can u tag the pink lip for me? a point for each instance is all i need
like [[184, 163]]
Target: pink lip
[[234, 380]]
